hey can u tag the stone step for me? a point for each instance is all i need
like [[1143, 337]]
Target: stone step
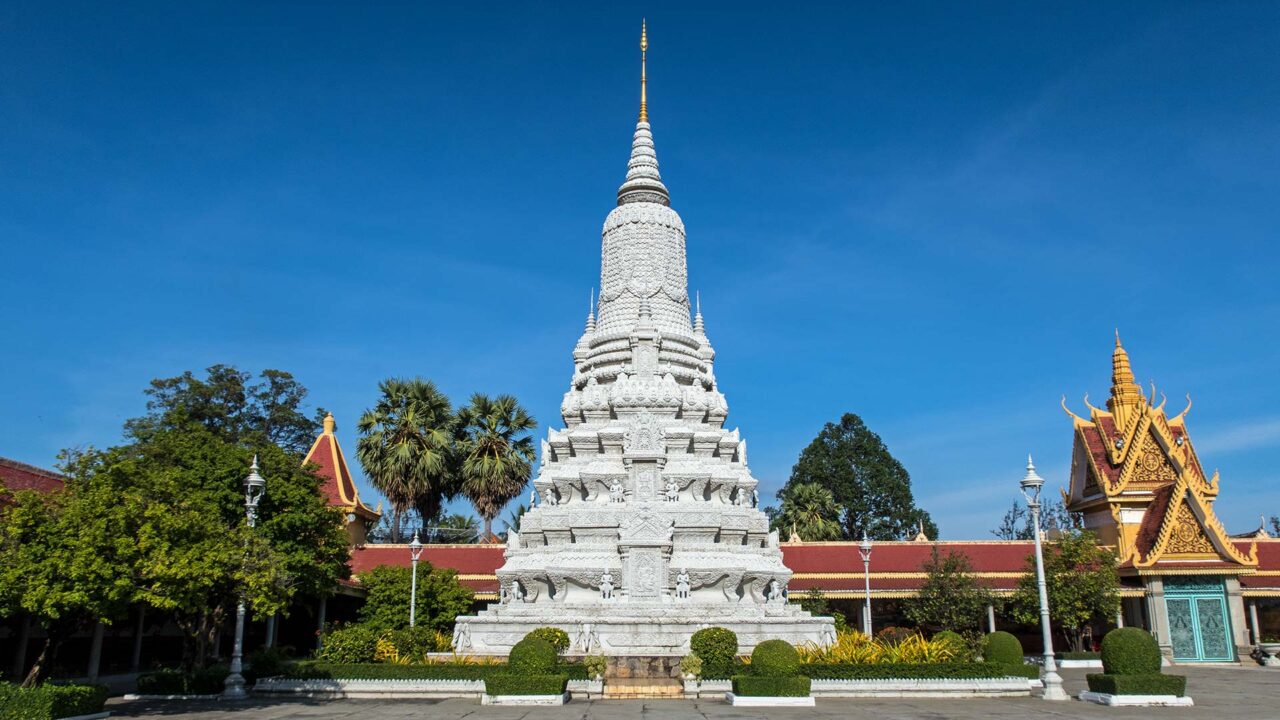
[[642, 688]]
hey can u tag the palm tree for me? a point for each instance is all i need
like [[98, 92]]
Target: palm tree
[[454, 528], [406, 448], [811, 510], [497, 453]]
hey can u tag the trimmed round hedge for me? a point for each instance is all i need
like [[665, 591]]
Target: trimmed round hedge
[[558, 638], [717, 647], [532, 656], [1002, 647], [775, 658], [1130, 651]]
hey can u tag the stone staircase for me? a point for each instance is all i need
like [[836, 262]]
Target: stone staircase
[[643, 688]]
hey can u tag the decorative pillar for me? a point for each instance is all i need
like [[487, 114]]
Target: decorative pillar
[[324, 604], [1120, 616], [1159, 614], [95, 651], [991, 618], [1255, 634], [135, 662], [1235, 611], [20, 648], [271, 632]]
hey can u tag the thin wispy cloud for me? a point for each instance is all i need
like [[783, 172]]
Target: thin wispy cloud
[[1251, 435]]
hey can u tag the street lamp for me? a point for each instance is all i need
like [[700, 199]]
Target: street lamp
[[415, 552], [1031, 485], [254, 488], [864, 550]]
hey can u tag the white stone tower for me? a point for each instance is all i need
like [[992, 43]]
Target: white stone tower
[[648, 527]]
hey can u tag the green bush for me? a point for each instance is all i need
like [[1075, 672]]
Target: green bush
[[558, 638], [595, 665], [319, 670], [441, 598], [718, 647], [413, 643], [771, 686], [532, 656], [267, 662], [903, 671], [1145, 684], [525, 684], [349, 644], [774, 658], [1002, 647], [50, 701], [1130, 651], [209, 681], [1031, 672]]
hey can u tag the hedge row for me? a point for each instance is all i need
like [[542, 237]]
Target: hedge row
[[50, 701], [1031, 672], [1147, 684], [209, 681], [906, 671], [1077, 656], [778, 686], [317, 670], [525, 684]]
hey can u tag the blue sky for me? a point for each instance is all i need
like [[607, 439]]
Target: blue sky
[[930, 215]]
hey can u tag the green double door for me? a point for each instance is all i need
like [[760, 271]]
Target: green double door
[[1199, 628]]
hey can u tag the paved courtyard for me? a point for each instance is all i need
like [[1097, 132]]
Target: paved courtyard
[[1220, 693]]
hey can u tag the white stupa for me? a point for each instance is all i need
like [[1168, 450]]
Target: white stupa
[[648, 527]]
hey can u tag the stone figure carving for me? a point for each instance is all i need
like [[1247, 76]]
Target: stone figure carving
[[533, 498], [671, 531], [586, 638], [553, 498], [673, 491], [775, 593], [773, 539], [606, 585], [517, 592], [513, 539], [755, 498], [462, 636], [503, 596], [546, 454], [616, 493], [682, 584], [644, 435]]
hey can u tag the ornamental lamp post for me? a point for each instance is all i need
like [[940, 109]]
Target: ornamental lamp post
[[254, 488], [864, 549], [415, 552], [1031, 485]]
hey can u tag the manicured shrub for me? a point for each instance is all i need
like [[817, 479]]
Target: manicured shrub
[[209, 681], [558, 638], [595, 665], [317, 670], [413, 644], [526, 684], [691, 664], [1002, 647], [774, 658], [894, 634], [267, 662], [1130, 651], [771, 686], [717, 647], [1031, 672], [1144, 684], [902, 671], [50, 701], [349, 644], [532, 656]]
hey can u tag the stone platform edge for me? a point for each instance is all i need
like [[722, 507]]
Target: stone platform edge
[[1136, 700], [767, 701]]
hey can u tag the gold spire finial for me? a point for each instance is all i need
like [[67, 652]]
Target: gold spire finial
[[644, 47], [328, 424], [1124, 391]]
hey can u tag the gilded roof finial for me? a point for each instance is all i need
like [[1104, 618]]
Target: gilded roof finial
[[329, 423], [1124, 391], [644, 47]]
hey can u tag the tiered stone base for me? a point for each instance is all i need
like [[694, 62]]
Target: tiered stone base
[[626, 629], [643, 688]]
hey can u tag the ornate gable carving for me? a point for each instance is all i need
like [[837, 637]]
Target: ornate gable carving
[[1186, 537]]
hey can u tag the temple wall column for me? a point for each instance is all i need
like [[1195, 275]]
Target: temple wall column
[[1235, 609], [1255, 632], [1159, 614]]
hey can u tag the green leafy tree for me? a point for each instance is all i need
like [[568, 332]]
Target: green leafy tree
[[1275, 526], [229, 403], [951, 597], [1016, 523], [65, 560], [406, 447], [1082, 584], [441, 597], [810, 510], [512, 521], [454, 528], [871, 488], [814, 603], [496, 451]]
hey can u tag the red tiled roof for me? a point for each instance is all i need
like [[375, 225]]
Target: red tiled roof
[[1152, 521], [894, 565], [1095, 439], [15, 476], [337, 485]]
